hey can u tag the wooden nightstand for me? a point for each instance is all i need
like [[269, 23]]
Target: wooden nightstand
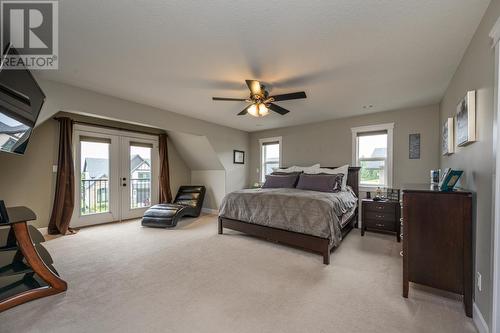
[[382, 216]]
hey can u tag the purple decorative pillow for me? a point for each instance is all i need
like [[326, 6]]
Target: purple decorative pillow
[[280, 181], [320, 182], [282, 173]]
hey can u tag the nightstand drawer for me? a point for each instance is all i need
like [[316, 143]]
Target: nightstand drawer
[[380, 224], [382, 207], [381, 216]]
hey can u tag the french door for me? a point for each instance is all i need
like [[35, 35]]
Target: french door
[[116, 175]]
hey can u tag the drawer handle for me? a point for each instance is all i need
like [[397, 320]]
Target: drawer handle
[[401, 220], [380, 225], [380, 216]]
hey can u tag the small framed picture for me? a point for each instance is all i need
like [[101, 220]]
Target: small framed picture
[[447, 137], [414, 149], [466, 119], [238, 157]]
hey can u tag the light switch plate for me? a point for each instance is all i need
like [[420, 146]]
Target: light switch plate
[[54, 168]]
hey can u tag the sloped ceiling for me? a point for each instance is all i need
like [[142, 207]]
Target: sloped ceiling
[[345, 54], [196, 151]]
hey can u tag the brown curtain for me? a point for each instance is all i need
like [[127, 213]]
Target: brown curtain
[[165, 193], [64, 199]]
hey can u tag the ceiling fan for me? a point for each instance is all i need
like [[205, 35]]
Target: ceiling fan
[[261, 101]]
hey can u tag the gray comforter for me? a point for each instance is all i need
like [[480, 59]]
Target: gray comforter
[[308, 212]]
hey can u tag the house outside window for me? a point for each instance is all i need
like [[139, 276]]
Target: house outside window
[[270, 156], [372, 151]]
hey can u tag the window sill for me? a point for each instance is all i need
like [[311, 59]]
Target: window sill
[[368, 188]]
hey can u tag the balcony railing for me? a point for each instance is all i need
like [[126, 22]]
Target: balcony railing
[[94, 196], [140, 192]]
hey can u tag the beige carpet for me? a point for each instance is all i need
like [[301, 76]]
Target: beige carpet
[[125, 278]]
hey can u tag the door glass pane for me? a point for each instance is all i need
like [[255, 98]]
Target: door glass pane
[[140, 176], [94, 177]]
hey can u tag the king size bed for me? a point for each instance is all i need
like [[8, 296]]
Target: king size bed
[[311, 220]]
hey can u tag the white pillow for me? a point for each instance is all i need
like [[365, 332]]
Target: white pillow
[[312, 169], [343, 170]]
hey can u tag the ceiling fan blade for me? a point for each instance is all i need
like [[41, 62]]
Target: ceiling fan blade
[[245, 111], [286, 97], [278, 109], [254, 87], [228, 99]]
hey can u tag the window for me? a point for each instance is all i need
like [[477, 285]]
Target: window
[[270, 156], [372, 151]]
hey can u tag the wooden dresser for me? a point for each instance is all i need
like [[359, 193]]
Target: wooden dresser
[[437, 240]]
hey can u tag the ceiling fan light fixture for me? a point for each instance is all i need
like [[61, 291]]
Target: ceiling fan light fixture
[[258, 110], [261, 104], [263, 110], [253, 111]]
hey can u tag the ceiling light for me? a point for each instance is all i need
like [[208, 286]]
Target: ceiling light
[[258, 110], [263, 110], [252, 110]]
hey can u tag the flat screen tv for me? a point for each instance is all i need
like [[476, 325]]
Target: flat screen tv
[[21, 100]]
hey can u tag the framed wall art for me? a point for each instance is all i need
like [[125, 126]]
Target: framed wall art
[[238, 157], [447, 137], [414, 149], [466, 119]]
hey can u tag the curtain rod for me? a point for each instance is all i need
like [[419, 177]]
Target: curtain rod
[[108, 126]]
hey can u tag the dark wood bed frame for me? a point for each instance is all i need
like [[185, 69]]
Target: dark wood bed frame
[[295, 239]]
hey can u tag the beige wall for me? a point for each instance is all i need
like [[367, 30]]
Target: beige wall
[[28, 180], [63, 97], [476, 72], [330, 144], [214, 181]]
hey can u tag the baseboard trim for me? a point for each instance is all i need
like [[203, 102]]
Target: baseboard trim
[[210, 211], [478, 319], [44, 231]]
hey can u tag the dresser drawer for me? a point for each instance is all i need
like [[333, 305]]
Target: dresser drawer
[[381, 216], [379, 207], [380, 224]]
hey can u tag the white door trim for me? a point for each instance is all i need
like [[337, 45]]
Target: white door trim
[[495, 318], [79, 220], [125, 210], [119, 165]]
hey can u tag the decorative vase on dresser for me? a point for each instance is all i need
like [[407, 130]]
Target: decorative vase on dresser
[[437, 240]]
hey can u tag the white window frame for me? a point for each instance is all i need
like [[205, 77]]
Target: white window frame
[[262, 141], [389, 127]]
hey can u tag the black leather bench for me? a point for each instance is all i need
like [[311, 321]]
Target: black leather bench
[[187, 202]]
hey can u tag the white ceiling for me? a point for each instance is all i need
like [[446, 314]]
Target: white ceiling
[[177, 54]]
